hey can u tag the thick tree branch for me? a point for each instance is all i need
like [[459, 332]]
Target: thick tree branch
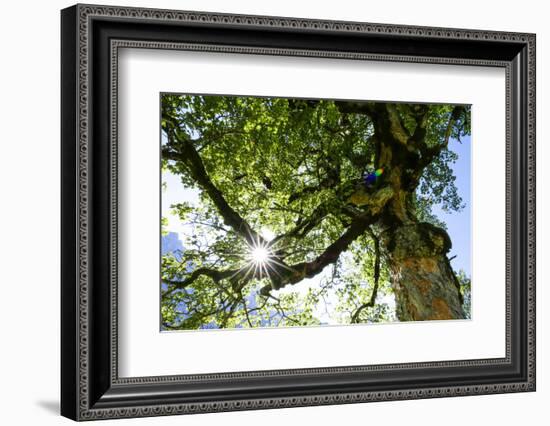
[[397, 129], [433, 152], [455, 115], [304, 270], [384, 116], [304, 225], [420, 114], [359, 224], [214, 274], [366, 108], [183, 151], [325, 183]]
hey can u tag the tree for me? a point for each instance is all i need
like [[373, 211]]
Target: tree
[[344, 188]]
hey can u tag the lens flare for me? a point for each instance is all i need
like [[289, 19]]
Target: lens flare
[[259, 254]]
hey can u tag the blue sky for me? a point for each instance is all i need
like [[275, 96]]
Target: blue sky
[[459, 224]]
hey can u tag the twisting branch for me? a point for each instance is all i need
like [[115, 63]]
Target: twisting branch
[[433, 152], [366, 108], [304, 270], [181, 149], [304, 226], [455, 115], [359, 224], [420, 114], [396, 126], [214, 274], [384, 116], [327, 182], [343, 191], [371, 302]]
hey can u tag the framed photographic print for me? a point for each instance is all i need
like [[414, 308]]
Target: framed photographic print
[[263, 212]]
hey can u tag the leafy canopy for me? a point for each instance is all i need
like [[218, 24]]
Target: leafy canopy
[[278, 174]]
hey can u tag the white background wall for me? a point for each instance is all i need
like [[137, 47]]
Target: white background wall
[[29, 225]]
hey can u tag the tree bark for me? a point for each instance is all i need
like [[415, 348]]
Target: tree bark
[[423, 280]]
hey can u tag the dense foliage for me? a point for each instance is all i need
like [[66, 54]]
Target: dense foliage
[[288, 230]]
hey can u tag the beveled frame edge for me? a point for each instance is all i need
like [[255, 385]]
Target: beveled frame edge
[[75, 207]]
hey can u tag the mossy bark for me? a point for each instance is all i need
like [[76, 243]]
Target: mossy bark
[[423, 280]]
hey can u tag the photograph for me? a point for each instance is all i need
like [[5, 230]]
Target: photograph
[[282, 212]]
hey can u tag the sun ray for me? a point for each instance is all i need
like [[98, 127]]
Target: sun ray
[[263, 268], [249, 269], [270, 266], [282, 264]]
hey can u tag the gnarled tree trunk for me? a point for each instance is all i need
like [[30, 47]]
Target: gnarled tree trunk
[[424, 283], [423, 280]]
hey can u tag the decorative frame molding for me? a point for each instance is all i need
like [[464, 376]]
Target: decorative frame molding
[[91, 37]]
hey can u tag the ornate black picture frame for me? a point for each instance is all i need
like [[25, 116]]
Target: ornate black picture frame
[[91, 388]]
